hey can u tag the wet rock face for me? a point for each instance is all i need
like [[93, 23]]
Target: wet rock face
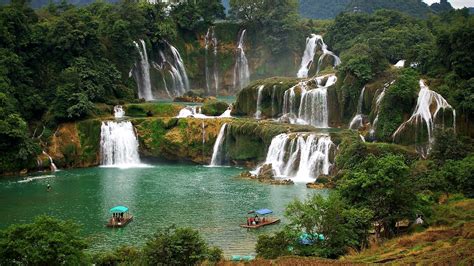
[[266, 172]]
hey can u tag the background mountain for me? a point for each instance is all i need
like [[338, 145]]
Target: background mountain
[[322, 9]]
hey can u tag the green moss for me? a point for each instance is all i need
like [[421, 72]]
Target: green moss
[[214, 108], [152, 109], [272, 97], [89, 135]]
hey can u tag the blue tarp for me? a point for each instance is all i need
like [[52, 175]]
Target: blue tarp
[[263, 211], [119, 209]]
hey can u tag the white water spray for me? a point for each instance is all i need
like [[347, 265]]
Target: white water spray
[[51, 162], [302, 157], [258, 112], [312, 108], [212, 79], [241, 68], [141, 73], [358, 120], [307, 60], [118, 144], [118, 112], [428, 106], [218, 155]]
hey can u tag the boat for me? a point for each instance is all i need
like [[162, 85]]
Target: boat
[[257, 222], [120, 217]]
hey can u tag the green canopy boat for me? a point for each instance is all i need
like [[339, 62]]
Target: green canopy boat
[[120, 217]]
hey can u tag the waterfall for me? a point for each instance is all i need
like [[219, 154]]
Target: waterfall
[[241, 68], [196, 112], [119, 112], [142, 73], [212, 80], [428, 106], [51, 162], [378, 103], [172, 66], [358, 120], [400, 64], [218, 156], [118, 144], [180, 66], [258, 112], [313, 106], [301, 157], [312, 44]]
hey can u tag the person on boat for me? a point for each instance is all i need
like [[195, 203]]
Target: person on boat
[[257, 219]]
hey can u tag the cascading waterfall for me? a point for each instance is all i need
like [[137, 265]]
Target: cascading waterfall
[[180, 66], [212, 80], [118, 112], [196, 112], [141, 73], [175, 69], [312, 44], [218, 156], [51, 162], [301, 157], [428, 106], [241, 68], [258, 113], [357, 121], [378, 103], [118, 144], [313, 106]]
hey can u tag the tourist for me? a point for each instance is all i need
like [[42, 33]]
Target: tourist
[[48, 187]]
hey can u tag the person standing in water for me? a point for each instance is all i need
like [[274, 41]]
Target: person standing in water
[[48, 187]]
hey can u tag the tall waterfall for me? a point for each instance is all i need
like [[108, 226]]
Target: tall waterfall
[[218, 156], [171, 65], [180, 66], [212, 78], [299, 156], [312, 108], [118, 144], [428, 107], [258, 112], [378, 103], [141, 73], [358, 120], [312, 44], [241, 68]]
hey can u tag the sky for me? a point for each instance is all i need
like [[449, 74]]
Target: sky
[[454, 3]]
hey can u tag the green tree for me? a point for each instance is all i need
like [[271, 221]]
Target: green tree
[[342, 226], [384, 186], [47, 241], [181, 246]]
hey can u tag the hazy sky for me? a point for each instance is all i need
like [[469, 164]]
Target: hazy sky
[[455, 3]]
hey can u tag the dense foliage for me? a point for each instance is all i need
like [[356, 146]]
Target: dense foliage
[[47, 241], [50, 241], [58, 62]]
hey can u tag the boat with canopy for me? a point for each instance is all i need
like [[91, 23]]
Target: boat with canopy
[[257, 222], [120, 217]]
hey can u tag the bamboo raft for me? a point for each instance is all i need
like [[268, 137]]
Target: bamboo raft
[[115, 223], [268, 221]]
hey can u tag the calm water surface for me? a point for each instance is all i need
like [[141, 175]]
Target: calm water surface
[[210, 200]]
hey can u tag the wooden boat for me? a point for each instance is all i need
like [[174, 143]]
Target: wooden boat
[[120, 217], [268, 221], [262, 221]]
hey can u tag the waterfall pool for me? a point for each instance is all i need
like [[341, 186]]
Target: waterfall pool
[[210, 200]]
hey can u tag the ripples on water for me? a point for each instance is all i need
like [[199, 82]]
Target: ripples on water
[[210, 200]]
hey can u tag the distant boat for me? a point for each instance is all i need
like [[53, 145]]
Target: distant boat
[[120, 217], [257, 222]]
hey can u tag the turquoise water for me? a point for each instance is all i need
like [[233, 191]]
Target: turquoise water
[[210, 200]]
